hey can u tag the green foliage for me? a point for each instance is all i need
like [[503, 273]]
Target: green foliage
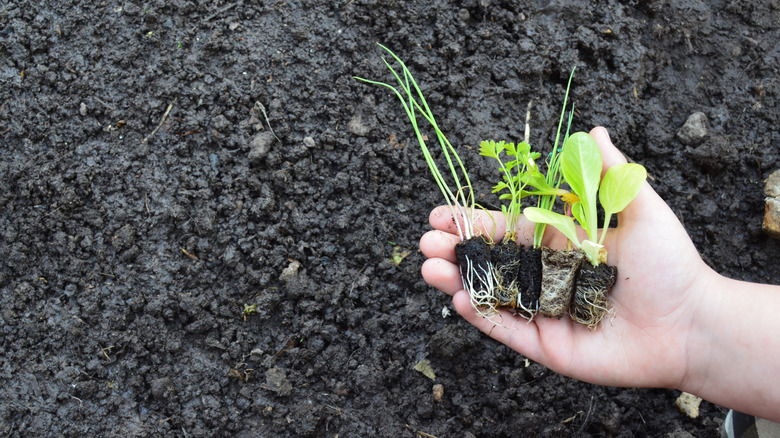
[[581, 167], [553, 177], [619, 187], [460, 198], [564, 224], [513, 180]]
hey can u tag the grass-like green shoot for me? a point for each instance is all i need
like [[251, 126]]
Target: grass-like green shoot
[[553, 177], [461, 197]]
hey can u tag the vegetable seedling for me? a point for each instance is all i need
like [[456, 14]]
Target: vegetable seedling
[[581, 166], [477, 270]]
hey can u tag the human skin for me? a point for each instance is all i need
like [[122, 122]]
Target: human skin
[[677, 324]]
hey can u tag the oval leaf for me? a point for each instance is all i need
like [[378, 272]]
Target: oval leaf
[[581, 167], [562, 223], [620, 186]]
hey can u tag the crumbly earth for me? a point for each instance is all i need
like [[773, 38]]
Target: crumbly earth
[[171, 268]]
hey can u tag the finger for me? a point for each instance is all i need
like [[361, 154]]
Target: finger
[[442, 275], [610, 155], [439, 244], [485, 223]]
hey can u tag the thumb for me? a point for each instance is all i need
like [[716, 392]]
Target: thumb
[[610, 155], [647, 202]]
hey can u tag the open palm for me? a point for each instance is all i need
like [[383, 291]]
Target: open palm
[[659, 276]]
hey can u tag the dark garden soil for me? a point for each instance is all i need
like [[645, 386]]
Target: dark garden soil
[[130, 253]]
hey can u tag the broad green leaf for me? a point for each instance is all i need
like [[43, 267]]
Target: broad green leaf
[[620, 186], [551, 192], [562, 223], [581, 167], [535, 179]]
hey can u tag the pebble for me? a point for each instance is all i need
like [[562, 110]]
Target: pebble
[[261, 145], [689, 404], [438, 392], [771, 224], [695, 129], [358, 126], [772, 185], [290, 271]]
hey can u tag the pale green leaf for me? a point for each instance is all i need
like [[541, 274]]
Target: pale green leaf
[[488, 149], [562, 223], [581, 167], [620, 186]]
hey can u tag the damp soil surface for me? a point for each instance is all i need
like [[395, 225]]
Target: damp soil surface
[[171, 266]]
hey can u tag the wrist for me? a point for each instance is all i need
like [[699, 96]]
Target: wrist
[[706, 296]]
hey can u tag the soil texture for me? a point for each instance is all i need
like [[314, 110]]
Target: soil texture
[[209, 228]]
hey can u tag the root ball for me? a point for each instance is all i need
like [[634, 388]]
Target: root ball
[[559, 270]]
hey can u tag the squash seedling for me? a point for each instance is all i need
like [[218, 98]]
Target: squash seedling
[[581, 166]]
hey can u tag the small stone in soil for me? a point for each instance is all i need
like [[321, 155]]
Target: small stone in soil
[[438, 392], [695, 129], [276, 381]]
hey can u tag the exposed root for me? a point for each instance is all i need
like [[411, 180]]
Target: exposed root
[[480, 282], [559, 270], [591, 303]]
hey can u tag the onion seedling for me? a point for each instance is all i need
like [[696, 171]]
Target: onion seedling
[[478, 272]]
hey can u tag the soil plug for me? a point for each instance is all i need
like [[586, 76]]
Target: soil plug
[[478, 273], [507, 258], [590, 303], [559, 270]]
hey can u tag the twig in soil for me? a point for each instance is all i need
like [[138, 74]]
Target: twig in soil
[[225, 9], [105, 350], [587, 418], [334, 408], [108, 106], [420, 434], [262, 109], [287, 345], [146, 201], [165, 116]]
